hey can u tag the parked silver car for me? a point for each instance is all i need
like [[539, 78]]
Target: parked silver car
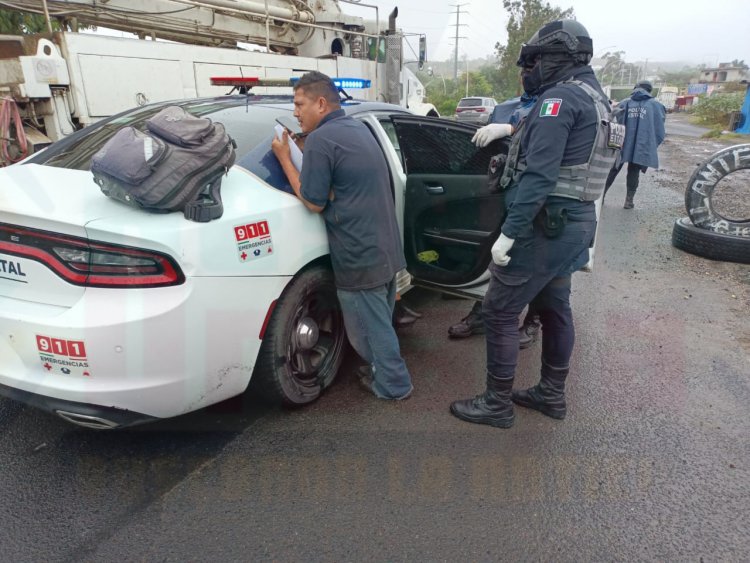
[[475, 110]]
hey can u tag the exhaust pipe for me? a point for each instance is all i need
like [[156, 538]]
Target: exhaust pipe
[[392, 21], [87, 421]]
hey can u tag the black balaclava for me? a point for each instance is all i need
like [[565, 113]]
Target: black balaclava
[[551, 69]]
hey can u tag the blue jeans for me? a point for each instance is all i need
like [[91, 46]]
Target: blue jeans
[[367, 317], [540, 269]]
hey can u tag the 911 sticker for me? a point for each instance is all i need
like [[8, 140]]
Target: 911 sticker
[[64, 356], [550, 107], [253, 241]]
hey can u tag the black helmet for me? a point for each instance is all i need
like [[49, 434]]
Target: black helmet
[[566, 37], [645, 84]]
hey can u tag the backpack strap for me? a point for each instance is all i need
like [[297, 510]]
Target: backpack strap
[[208, 205]]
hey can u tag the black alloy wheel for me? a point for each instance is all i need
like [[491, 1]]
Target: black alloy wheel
[[305, 341]]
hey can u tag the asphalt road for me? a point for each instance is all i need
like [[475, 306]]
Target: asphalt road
[[679, 124], [652, 463]]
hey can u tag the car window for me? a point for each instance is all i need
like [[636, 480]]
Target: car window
[[263, 163], [390, 130], [248, 125], [470, 102], [438, 149]]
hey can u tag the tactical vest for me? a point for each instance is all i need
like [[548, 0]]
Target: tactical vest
[[583, 182]]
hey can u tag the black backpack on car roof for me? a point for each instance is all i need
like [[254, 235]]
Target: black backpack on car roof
[[177, 164]]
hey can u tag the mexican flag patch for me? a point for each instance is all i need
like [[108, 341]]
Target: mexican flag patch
[[550, 107]]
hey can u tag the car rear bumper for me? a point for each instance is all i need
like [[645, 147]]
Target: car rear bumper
[[480, 118], [81, 414], [155, 353]]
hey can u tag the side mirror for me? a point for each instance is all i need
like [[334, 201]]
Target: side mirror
[[422, 50]]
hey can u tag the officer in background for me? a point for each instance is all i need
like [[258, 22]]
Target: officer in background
[[643, 117], [557, 165]]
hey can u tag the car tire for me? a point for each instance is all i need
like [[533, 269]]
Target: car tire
[[710, 244], [304, 343], [701, 185]]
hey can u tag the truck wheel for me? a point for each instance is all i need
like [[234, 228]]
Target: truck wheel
[[701, 186], [304, 343], [710, 244]]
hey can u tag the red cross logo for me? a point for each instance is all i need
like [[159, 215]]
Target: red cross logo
[[47, 366], [243, 255], [86, 373], [270, 250]]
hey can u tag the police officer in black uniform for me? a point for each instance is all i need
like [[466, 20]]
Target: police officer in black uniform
[[557, 165]]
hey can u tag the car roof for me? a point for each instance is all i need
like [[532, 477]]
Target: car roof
[[207, 106], [280, 101]]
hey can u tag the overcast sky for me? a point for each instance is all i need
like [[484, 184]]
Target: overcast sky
[[701, 31]]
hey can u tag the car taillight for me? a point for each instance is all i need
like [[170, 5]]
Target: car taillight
[[459, 110], [480, 110], [91, 263]]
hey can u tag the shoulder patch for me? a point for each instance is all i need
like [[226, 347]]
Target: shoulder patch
[[550, 107]]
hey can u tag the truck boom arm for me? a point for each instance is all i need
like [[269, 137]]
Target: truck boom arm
[[284, 25]]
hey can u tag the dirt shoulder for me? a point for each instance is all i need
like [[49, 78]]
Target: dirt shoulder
[[679, 156]]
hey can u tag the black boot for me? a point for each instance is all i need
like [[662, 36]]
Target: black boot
[[629, 200], [492, 407], [547, 396], [529, 332], [473, 323]]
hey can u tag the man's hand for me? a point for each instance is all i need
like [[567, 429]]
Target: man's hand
[[280, 147], [500, 250], [485, 135]]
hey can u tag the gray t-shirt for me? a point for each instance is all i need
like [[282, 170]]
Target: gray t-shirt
[[345, 172]]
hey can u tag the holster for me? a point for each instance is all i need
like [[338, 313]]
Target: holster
[[552, 221], [495, 172]]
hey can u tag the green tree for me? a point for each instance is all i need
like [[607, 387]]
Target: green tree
[[526, 17], [715, 110], [16, 22], [616, 71], [478, 84], [682, 78]]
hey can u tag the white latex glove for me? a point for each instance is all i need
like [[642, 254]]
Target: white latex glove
[[485, 135], [500, 250]]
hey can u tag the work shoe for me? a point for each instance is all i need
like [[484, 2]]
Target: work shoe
[[493, 407], [629, 201], [403, 316], [529, 332], [547, 396], [471, 324], [364, 377]]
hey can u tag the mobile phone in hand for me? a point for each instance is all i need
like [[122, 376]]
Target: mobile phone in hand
[[291, 125]]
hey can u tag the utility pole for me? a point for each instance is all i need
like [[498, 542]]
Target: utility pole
[[457, 25], [467, 76]]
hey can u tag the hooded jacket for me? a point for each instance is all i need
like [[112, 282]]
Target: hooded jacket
[[643, 118]]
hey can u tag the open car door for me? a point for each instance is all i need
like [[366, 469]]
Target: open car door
[[451, 219]]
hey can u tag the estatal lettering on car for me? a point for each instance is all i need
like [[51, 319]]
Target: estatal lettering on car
[[66, 356], [12, 268], [253, 241]]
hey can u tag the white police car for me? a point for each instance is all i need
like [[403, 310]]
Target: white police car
[[111, 316]]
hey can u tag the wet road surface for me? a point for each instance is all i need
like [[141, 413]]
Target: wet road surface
[[652, 463]]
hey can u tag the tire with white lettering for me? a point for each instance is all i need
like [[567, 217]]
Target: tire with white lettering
[[304, 343], [701, 186], [710, 244]]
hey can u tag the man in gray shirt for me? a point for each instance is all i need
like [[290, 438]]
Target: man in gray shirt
[[345, 177]]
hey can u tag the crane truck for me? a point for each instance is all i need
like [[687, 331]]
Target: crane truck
[[54, 83]]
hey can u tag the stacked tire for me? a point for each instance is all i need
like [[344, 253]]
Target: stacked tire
[[705, 232]]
